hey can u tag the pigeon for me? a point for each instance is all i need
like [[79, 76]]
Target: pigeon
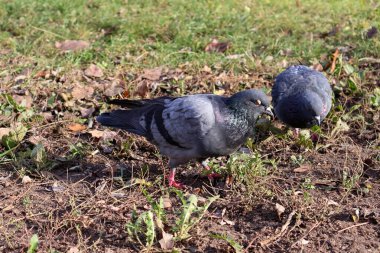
[[301, 97], [193, 127]]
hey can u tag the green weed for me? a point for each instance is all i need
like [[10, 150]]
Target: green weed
[[143, 227]]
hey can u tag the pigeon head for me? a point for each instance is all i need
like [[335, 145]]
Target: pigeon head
[[254, 101], [302, 111]]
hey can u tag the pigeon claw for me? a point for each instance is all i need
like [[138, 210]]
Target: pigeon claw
[[176, 185]]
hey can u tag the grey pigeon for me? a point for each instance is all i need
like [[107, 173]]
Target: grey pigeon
[[192, 127], [301, 97]]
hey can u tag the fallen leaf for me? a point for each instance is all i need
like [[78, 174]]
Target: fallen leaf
[[167, 203], [35, 139], [280, 210], [4, 131], [235, 56], [26, 180], [372, 32], [333, 63], [286, 52], [72, 45], [206, 69], [75, 127], [115, 88], [42, 74], [47, 116], [73, 250], [302, 168], [167, 241], [15, 136], [269, 58], [25, 101], [142, 89], [87, 112], [93, 71], [215, 46], [96, 133], [152, 74], [219, 92], [80, 92], [317, 66], [114, 208]]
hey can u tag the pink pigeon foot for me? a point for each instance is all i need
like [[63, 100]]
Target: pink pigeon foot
[[212, 175], [172, 182]]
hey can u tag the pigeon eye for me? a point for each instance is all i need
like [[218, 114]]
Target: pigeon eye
[[257, 102]]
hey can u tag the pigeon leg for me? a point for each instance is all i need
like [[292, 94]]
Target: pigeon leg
[[211, 175], [172, 181]]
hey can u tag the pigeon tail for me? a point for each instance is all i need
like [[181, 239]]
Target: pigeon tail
[[124, 119]]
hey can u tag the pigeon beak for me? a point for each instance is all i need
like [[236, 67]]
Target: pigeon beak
[[268, 111], [318, 118]]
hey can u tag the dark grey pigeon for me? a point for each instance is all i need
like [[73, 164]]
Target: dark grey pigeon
[[192, 127], [301, 97]]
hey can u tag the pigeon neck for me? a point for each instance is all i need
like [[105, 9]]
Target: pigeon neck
[[239, 125]]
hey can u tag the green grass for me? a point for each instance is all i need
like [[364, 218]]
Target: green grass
[[174, 32]]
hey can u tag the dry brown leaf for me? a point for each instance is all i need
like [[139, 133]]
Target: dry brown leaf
[[35, 139], [26, 101], [87, 112], [167, 241], [280, 210], [206, 69], [109, 135], [42, 74], [167, 203], [215, 46], [80, 92], [115, 88], [317, 66], [142, 89], [93, 71], [75, 127], [73, 250], [152, 74], [96, 133], [72, 45], [26, 180], [4, 131], [302, 168], [333, 63]]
